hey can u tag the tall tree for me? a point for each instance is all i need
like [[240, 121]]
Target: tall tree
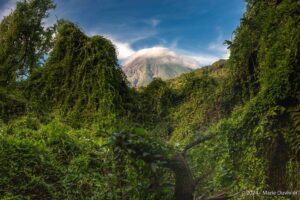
[[81, 77], [24, 40]]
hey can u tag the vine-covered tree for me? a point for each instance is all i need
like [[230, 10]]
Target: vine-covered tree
[[233, 126], [81, 77]]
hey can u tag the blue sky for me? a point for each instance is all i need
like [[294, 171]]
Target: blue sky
[[195, 28]]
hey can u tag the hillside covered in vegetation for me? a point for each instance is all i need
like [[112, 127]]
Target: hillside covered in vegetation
[[72, 128]]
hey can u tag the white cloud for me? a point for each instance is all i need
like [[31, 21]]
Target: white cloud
[[205, 59], [220, 48], [166, 55], [7, 8], [201, 58], [124, 49], [151, 53], [153, 22], [187, 58], [190, 59], [216, 51]]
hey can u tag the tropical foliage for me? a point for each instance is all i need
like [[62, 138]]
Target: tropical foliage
[[72, 128]]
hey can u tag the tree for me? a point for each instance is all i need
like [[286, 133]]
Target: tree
[[24, 41], [154, 153], [81, 77]]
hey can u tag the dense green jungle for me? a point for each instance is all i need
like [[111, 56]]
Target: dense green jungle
[[72, 128]]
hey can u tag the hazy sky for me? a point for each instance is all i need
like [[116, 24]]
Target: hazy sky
[[195, 28]]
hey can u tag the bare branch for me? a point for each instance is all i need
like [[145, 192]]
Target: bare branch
[[199, 140]]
